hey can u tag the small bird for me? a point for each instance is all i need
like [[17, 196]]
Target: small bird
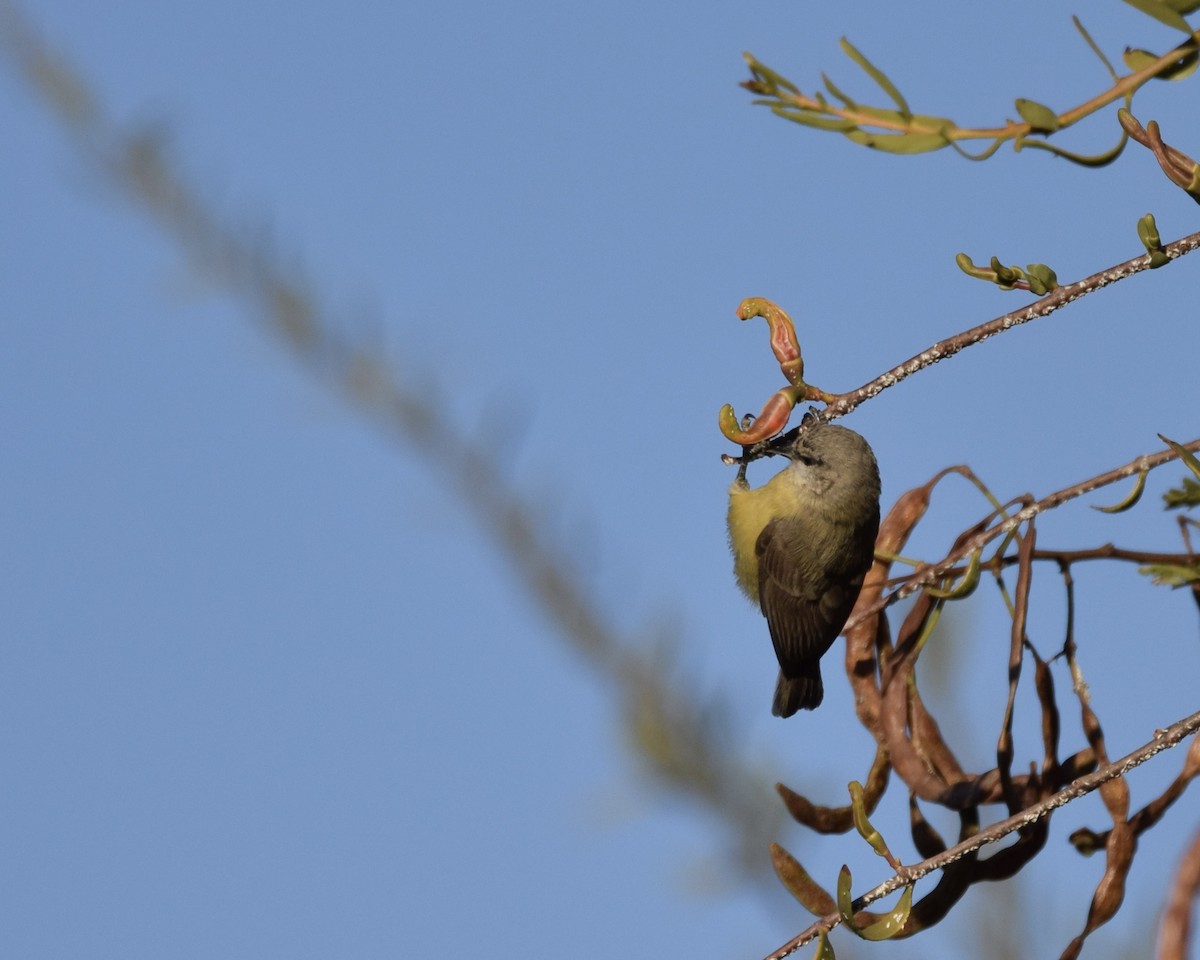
[[801, 545]]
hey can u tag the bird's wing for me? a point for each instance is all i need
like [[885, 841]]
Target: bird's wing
[[805, 611]]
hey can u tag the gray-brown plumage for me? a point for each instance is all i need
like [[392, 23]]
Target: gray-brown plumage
[[802, 544]]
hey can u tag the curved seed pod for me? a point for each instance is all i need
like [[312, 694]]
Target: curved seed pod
[[1131, 500]]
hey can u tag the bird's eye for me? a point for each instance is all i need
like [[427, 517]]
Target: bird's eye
[[808, 459]]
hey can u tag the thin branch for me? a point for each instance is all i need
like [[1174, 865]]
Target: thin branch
[[843, 403], [1163, 740], [934, 572]]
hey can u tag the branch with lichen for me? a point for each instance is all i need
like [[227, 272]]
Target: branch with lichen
[[759, 436], [1163, 740]]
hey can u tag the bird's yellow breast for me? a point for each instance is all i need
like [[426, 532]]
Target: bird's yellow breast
[[749, 511]]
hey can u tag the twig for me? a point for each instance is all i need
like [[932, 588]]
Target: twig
[[933, 572], [843, 403], [1163, 740]]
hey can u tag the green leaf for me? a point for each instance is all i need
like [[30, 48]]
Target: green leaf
[[1006, 275], [1188, 458], [1147, 231], [811, 118], [912, 121], [1171, 574], [760, 69], [1180, 69], [893, 117], [1041, 278], [1162, 13], [1187, 495], [1137, 60], [836, 93], [902, 143], [1099, 160], [1041, 118], [1095, 49], [878, 76]]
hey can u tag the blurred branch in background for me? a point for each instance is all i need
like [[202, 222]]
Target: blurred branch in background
[[683, 740]]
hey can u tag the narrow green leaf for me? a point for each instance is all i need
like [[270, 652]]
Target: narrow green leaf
[[1095, 49], [878, 76], [905, 143], [1162, 13], [1099, 160], [1188, 458], [1131, 499], [893, 117], [811, 118], [760, 69], [836, 93]]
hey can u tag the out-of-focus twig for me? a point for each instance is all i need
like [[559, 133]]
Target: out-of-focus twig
[[678, 734], [1176, 931]]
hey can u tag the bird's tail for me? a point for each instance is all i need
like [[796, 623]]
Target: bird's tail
[[801, 692]]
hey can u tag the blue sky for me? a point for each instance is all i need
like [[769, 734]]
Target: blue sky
[[269, 690]]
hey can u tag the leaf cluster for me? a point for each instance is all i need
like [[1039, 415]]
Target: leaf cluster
[[896, 128]]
